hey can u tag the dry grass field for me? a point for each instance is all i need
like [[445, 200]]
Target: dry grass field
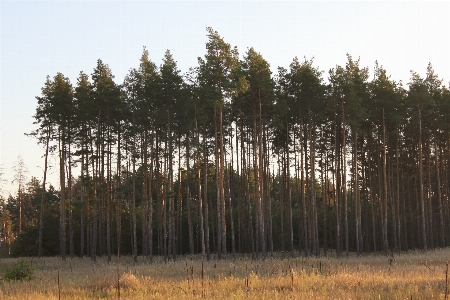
[[413, 275]]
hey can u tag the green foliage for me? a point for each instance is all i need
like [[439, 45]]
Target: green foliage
[[27, 243], [21, 270], [292, 121]]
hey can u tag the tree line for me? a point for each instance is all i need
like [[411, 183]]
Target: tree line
[[231, 159]]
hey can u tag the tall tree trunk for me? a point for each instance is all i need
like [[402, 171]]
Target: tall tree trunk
[[230, 197], [397, 199], [82, 205], [282, 180], [189, 200], [93, 239], [217, 119], [171, 195], [69, 180], [223, 225], [312, 149], [133, 205], [337, 187], [384, 203], [150, 184], [108, 198], [303, 180], [144, 202], [344, 176], [249, 223], [421, 196], [119, 193], [62, 207], [269, 183], [357, 200], [430, 204], [261, 181], [179, 236], [289, 196], [439, 193], [325, 195], [205, 193], [200, 198], [41, 216]]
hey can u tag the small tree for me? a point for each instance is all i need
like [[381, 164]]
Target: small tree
[[21, 270]]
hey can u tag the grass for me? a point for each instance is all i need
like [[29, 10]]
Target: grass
[[413, 275]]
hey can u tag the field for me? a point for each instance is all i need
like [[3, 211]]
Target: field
[[413, 275]]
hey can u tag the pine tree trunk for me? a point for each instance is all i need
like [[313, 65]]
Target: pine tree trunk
[[230, 198], [119, 194], [189, 200], [303, 180], [356, 193], [430, 204], [385, 193], [133, 207], [421, 196], [71, 246], [41, 216], [179, 236], [150, 184], [218, 184], [291, 229], [223, 225], [337, 188], [439, 193], [82, 205], [205, 194], [344, 177], [108, 201], [171, 192], [200, 198], [261, 182], [397, 199], [315, 230], [62, 208], [144, 205]]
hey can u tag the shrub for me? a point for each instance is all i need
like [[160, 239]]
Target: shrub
[[19, 271]]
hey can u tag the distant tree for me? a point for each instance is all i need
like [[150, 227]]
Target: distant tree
[[20, 172]]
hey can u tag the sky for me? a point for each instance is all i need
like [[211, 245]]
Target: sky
[[40, 38]]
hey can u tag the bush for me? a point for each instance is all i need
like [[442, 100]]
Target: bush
[[20, 270]]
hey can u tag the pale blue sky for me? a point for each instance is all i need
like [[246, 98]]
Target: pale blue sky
[[40, 38]]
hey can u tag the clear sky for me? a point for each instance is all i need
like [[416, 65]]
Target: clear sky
[[40, 38]]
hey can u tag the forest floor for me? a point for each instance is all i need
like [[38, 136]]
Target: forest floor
[[412, 275]]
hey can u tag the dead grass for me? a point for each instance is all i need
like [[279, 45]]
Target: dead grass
[[414, 274]]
